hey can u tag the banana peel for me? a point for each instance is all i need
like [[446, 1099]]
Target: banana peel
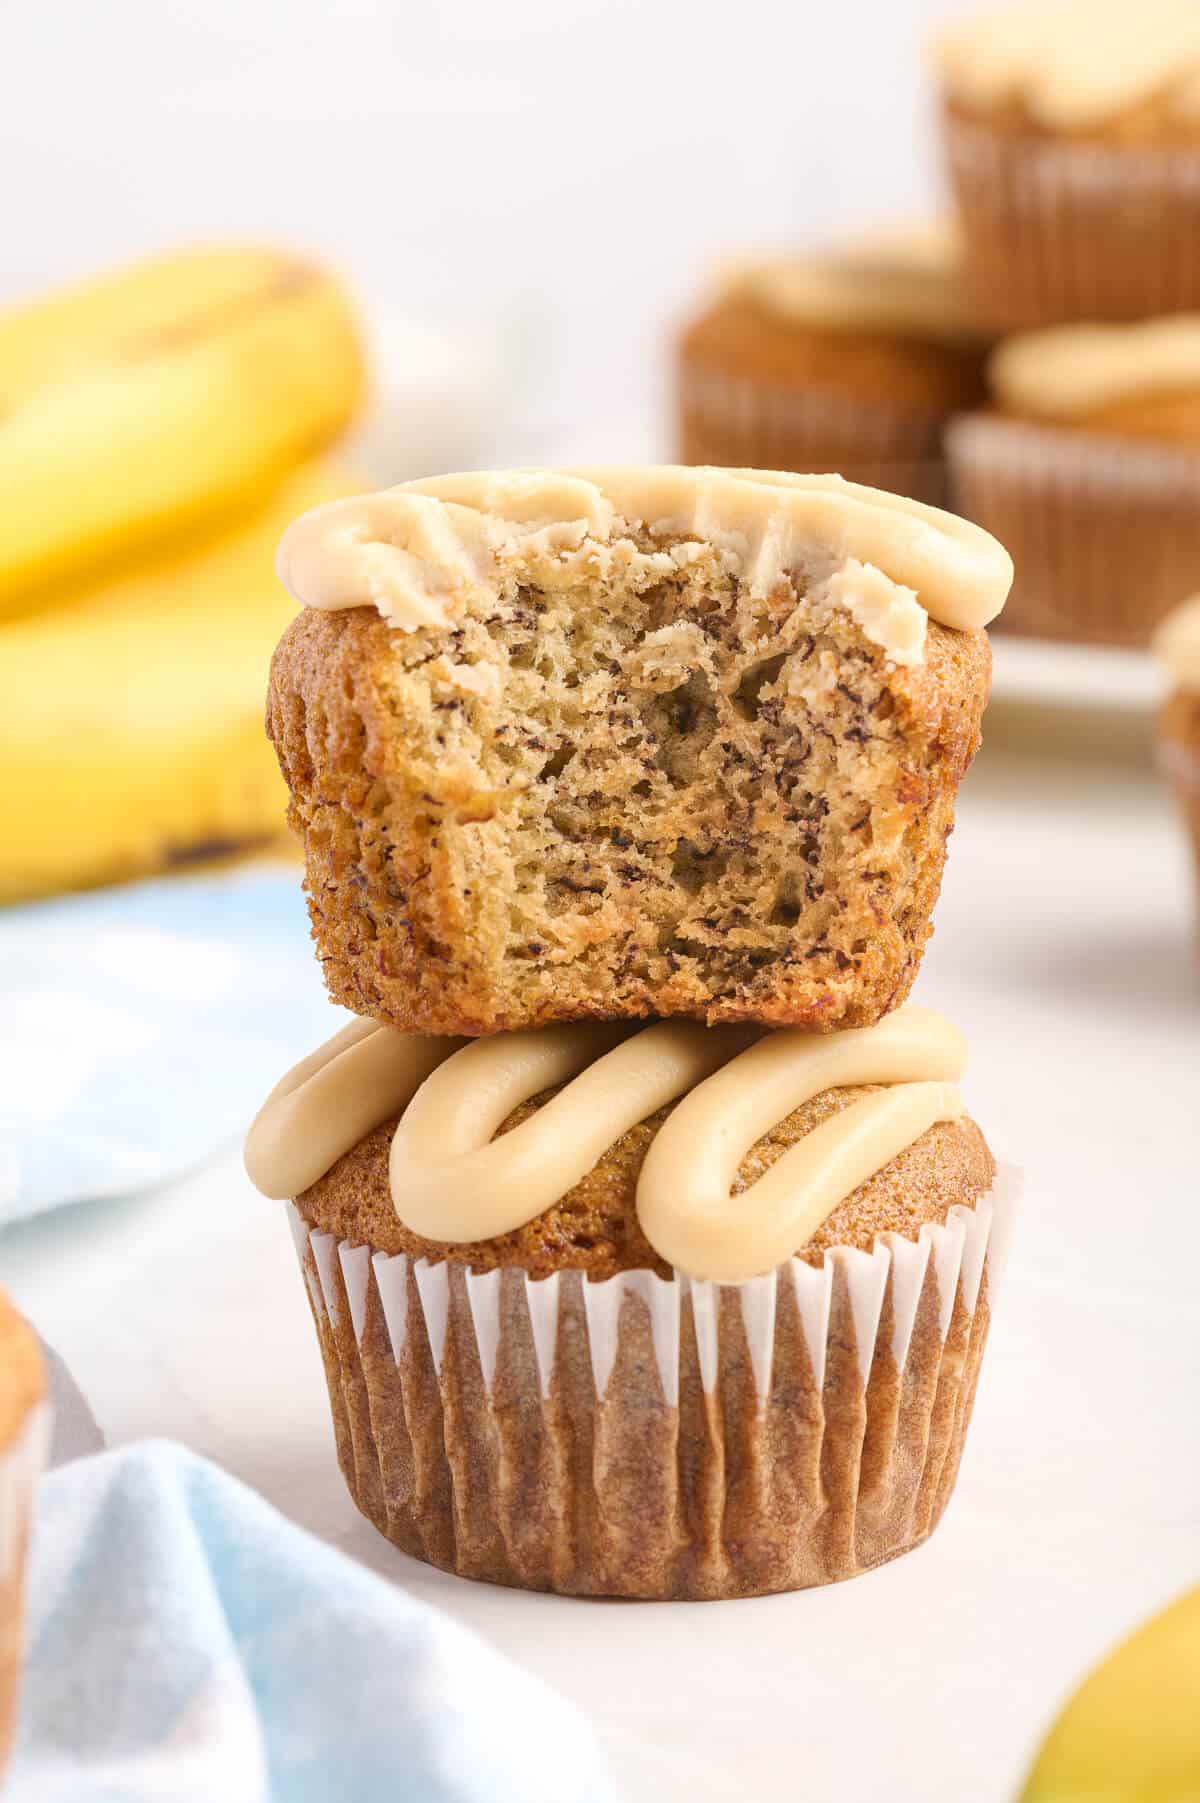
[[1132, 1730], [131, 712], [158, 399]]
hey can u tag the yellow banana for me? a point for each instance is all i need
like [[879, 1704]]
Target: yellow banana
[[158, 397], [1132, 1730], [131, 713]]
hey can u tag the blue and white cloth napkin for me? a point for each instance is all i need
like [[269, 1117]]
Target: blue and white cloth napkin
[[141, 1027], [189, 1645]]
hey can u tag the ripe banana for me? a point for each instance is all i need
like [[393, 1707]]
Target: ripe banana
[[1132, 1730], [159, 397], [131, 712]]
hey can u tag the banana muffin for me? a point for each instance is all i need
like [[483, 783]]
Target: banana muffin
[[1177, 645], [629, 743], [22, 1449], [1072, 133], [1088, 465], [670, 1312], [849, 359]]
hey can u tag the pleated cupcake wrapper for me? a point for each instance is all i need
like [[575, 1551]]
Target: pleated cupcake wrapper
[[659, 1437], [740, 422], [1057, 230], [1102, 530], [21, 1464]]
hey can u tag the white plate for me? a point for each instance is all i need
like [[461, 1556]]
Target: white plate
[[1043, 673]]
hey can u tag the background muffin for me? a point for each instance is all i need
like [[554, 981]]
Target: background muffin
[[706, 767], [555, 1407], [1177, 643], [1088, 467], [849, 359], [22, 1448], [1072, 131]]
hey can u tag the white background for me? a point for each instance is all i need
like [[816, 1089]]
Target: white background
[[575, 164]]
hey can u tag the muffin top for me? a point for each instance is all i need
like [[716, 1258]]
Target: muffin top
[[905, 280], [1079, 67], [642, 1159], [426, 553], [1140, 380], [22, 1374], [1176, 643]]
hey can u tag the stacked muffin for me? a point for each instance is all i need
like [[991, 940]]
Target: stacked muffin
[[649, 1247], [1072, 137]]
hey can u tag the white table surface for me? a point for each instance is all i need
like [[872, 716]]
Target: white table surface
[[1065, 948]]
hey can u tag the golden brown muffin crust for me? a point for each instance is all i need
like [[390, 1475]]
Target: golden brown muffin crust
[[594, 1228], [739, 337], [681, 800], [22, 1374], [1150, 123]]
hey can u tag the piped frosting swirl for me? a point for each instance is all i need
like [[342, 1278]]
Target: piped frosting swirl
[[903, 281], [453, 1181], [424, 553], [1066, 372], [1074, 64]]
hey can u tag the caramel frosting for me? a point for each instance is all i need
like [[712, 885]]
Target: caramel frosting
[[327, 1102], [1075, 64], [1069, 371], [1176, 643], [906, 281], [453, 1181], [424, 552]]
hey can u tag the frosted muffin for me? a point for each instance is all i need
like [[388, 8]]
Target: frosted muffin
[[647, 742], [1088, 465], [23, 1434], [849, 359], [1072, 131], [1177, 644], [677, 1312]]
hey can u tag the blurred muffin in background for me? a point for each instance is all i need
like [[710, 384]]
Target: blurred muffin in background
[[1177, 644], [1087, 466], [1072, 134], [24, 1434], [158, 429], [849, 359]]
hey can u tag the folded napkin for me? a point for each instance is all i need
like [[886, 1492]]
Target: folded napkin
[[186, 1643], [142, 1027]]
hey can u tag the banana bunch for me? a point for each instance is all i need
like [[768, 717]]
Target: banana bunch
[[158, 430]]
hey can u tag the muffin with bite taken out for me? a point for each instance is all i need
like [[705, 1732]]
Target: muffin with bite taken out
[[638, 742]]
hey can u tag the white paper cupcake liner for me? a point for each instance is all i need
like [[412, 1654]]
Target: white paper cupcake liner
[[21, 1464], [1102, 530], [658, 1438]]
